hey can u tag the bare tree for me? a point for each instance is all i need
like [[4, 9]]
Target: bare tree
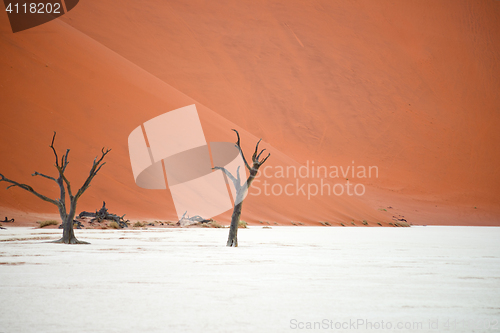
[[64, 185], [241, 190]]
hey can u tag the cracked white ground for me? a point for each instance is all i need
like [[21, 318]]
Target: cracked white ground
[[283, 279]]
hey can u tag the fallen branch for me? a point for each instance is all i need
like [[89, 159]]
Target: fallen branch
[[186, 221], [102, 214]]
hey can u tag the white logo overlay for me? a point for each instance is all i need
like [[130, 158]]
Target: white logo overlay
[[171, 149]]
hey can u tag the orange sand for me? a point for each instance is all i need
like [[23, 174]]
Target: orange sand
[[411, 87]]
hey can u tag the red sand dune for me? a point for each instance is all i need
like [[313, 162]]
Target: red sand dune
[[410, 87]]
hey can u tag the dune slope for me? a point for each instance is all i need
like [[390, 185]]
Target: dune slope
[[57, 78], [408, 87], [411, 87]]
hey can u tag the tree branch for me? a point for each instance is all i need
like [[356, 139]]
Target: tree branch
[[254, 156], [61, 174], [53, 149], [45, 176], [96, 167], [236, 181], [241, 151], [262, 162], [65, 161], [61, 168], [258, 156], [28, 188]]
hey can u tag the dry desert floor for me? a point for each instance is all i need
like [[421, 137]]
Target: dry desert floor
[[284, 279]]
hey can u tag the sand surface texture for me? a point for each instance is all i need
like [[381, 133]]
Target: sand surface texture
[[186, 280]]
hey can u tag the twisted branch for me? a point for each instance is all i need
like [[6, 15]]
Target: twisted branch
[[36, 173], [27, 188], [96, 167], [236, 181], [241, 151]]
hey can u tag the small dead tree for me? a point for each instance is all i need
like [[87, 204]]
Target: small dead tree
[[241, 190], [64, 186]]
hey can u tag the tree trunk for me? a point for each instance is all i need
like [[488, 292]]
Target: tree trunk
[[235, 218], [233, 231], [68, 231]]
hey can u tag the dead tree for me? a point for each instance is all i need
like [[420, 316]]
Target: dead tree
[[102, 214], [187, 221], [241, 190], [64, 186]]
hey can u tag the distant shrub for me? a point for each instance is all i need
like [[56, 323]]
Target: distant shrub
[[328, 223], [215, 224], [114, 225], [353, 223], [47, 223], [365, 222], [138, 224], [342, 224], [242, 224], [266, 227], [380, 224]]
